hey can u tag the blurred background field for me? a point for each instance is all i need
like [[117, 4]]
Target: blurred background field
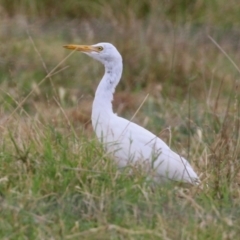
[[55, 181]]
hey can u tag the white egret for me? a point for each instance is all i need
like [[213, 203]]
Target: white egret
[[128, 142]]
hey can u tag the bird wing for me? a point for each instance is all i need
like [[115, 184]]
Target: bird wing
[[131, 142]]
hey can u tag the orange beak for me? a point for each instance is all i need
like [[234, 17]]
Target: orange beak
[[82, 48]]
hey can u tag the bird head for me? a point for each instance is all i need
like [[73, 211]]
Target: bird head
[[103, 52]]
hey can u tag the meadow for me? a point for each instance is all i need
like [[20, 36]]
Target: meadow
[[56, 182]]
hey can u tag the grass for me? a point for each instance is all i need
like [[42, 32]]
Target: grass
[[54, 185], [56, 182]]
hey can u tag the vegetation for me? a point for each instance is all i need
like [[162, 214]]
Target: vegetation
[[56, 182]]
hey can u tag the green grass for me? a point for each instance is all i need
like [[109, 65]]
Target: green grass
[[63, 187], [56, 182], [181, 12]]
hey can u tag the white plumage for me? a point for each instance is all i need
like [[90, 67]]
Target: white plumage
[[126, 141]]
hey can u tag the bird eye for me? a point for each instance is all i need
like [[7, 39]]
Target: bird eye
[[100, 48]]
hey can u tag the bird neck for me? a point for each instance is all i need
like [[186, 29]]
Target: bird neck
[[102, 104]]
